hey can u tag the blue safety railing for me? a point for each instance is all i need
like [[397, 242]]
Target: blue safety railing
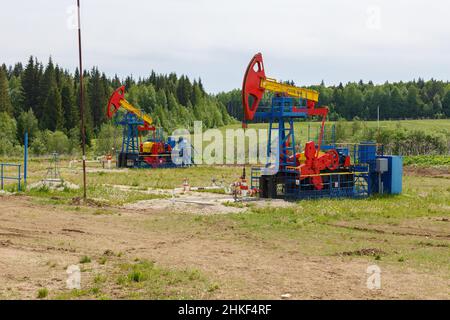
[[355, 182], [4, 176]]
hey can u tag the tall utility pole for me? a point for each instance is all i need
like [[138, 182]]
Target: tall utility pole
[[83, 129], [378, 121]]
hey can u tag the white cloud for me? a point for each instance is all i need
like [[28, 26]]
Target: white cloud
[[306, 41]]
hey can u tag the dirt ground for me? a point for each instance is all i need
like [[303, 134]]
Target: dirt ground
[[38, 241], [427, 171], [202, 203]]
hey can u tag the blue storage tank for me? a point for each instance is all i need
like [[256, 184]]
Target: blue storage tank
[[393, 178]]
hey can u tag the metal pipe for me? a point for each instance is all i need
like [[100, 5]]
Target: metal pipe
[[25, 159], [83, 129], [18, 177]]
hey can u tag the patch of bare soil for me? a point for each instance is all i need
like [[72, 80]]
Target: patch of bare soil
[[38, 242], [407, 229], [153, 191], [202, 203], [77, 201], [435, 172]]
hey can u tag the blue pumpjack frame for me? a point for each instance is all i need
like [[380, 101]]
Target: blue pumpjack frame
[[281, 116]]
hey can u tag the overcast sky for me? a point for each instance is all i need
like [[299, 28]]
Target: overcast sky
[[304, 41]]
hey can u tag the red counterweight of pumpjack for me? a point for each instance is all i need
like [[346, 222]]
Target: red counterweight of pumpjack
[[118, 100], [256, 83], [254, 86]]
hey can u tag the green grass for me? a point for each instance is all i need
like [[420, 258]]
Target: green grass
[[101, 184], [301, 128], [312, 227], [427, 161], [200, 176], [85, 259], [306, 131], [74, 294], [143, 279], [330, 227], [428, 125], [148, 281], [231, 204], [422, 197], [314, 224], [42, 293], [99, 279], [102, 195]]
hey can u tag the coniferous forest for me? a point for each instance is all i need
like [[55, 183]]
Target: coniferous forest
[[43, 99]]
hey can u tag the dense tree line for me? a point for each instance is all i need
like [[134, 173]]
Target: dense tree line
[[44, 100], [401, 100]]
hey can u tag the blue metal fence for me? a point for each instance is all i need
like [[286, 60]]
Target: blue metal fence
[[5, 176]]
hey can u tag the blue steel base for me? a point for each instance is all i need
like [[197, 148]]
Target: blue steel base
[[167, 165], [288, 185]]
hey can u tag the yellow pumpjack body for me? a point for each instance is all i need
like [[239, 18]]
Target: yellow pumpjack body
[[292, 91], [147, 147], [141, 115]]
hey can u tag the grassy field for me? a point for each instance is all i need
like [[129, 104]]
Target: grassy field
[[426, 161], [141, 279], [101, 181], [427, 125], [313, 249], [301, 128], [158, 253], [305, 131], [329, 227]]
